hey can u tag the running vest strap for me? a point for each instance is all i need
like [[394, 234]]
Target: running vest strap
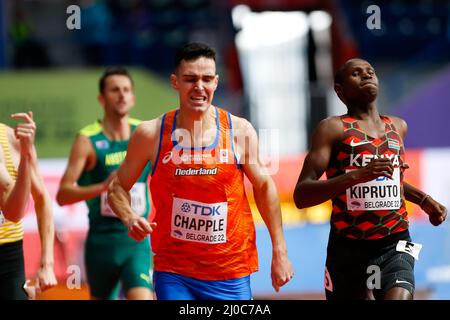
[[9, 231], [374, 209], [109, 156], [205, 228]]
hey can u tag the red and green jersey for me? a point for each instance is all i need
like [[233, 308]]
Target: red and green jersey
[[374, 209]]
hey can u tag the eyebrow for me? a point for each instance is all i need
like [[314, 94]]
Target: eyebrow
[[196, 75], [362, 68]]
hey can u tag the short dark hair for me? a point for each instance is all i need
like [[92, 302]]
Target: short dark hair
[[113, 71], [338, 76], [193, 51]]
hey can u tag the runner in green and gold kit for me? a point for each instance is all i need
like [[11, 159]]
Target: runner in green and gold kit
[[107, 234], [113, 259]]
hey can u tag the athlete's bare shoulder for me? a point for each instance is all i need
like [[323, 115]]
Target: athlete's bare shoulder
[[400, 124], [240, 123], [329, 129], [333, 123], [149, 129], [147, 135]]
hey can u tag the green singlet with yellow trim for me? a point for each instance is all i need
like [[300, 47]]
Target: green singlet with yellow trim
[[112, 257]]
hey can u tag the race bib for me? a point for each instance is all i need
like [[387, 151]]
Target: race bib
[[381, 193], [2, 218], [410, 248], [138, 201], [199, 222], [139, 198]]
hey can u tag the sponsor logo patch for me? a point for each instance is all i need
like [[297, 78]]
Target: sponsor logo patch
[[102, 144], [394, 144]]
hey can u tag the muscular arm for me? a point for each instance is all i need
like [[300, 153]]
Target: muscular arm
[[15, 195], [412, 193], [267, 201], [146, 134], [81, 157], [44, 213], [311, 191]]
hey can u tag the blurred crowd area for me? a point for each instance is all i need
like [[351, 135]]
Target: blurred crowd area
[[127, 32], [412, 45]]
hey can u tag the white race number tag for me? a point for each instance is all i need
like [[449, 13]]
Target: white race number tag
[[199, 222], [410, 248], [138, 201], [381, 193], [138, 198]]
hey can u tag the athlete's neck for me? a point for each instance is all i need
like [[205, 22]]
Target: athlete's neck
[[201, 125], [370, 121], [364, 112], [116, 128]]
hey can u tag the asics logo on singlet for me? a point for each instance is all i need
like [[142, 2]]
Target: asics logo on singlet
[[355, 144], [362, 160], [167, 157]]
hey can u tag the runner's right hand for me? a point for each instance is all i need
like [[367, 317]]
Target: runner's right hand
[[376, 168], [139, 228], [25, 132]]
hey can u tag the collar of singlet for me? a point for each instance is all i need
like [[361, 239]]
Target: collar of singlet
[[212, 146]]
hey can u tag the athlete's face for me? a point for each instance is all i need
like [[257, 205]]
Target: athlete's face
[[195, 82], [359, 82], [117, 97]]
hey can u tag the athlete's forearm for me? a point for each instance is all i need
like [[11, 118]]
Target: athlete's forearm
[[44, 214], [413, 194], [311, 192], [46, 232], [266, 199], [17, 200], [120, 202], [69, 193]]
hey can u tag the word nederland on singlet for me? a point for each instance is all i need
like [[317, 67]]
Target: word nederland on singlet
[[382, 193]]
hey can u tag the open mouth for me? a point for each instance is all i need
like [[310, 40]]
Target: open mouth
[[198, 99]]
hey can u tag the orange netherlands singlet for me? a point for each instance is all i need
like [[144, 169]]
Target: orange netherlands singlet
[[205, 228], [374, 209]]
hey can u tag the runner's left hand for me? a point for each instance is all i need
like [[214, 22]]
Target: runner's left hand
[[437, 213]]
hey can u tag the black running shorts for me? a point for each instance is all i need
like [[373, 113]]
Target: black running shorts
[[367, 269]]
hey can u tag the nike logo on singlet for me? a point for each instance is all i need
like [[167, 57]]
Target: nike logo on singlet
[[355, 144]]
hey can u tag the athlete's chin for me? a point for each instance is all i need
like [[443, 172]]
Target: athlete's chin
[[123, 111], [121, 114], [371, 93], [199, 107]]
